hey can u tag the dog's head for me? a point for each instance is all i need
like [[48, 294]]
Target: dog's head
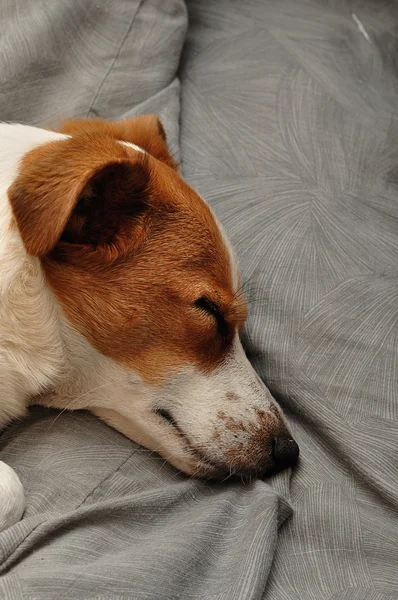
[[145, 274]]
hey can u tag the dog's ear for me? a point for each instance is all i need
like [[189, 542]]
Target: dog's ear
[[83, 190], [146, 131]]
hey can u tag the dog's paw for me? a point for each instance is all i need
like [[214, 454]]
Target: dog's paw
[[12, 499]]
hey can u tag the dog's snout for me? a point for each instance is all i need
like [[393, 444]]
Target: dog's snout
[[285, 452]]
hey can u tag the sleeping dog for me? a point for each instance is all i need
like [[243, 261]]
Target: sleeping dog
[[120, 293]]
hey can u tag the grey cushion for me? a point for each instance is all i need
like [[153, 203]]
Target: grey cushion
[[76, 59]]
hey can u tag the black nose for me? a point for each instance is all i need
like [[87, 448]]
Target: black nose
[[285, 452]]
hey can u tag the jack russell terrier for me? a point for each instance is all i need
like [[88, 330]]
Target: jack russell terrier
[[120, 293]]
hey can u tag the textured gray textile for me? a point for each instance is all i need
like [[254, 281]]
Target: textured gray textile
[[288, 127], [106, 519], [67, 58]]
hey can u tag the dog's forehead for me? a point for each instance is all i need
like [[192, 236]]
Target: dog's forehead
[[185, 233]]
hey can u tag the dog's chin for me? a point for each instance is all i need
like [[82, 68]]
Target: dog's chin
[[192, 466], [187, 459], [194, 462]]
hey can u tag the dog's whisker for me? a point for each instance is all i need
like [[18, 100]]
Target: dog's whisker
[[68, 407], [231, 473], [166, 461], [75, 400], [99, 387]]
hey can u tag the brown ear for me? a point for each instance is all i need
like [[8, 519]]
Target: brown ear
[[79, 189], [146, 131]]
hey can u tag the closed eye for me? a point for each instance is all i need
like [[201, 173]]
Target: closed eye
[[211, 308]]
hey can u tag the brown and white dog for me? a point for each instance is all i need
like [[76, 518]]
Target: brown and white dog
[[119, 293]]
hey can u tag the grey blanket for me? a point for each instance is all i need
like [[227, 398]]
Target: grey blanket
[[288, 122]]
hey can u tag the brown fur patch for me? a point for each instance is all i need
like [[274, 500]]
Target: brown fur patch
[[128, 247], [146, 130]]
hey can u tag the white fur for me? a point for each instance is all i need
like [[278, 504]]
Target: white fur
[[31, 353], [44, 359], [12, 499], [133, 146]]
